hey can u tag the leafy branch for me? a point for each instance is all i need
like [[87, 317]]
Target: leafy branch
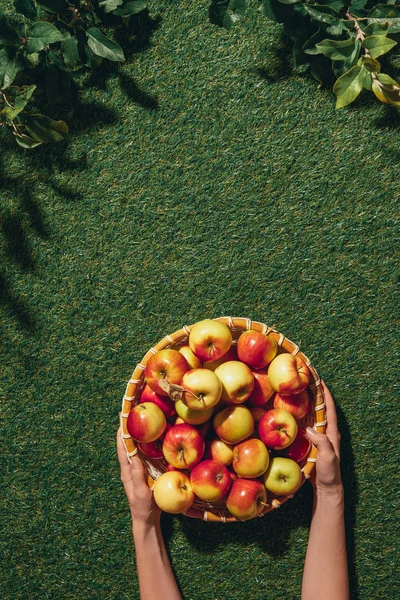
[[40, 50], [336, 39]]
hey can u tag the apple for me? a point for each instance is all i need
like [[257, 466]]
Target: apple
[[213, 364], [166, 364], [277, 428], [297, 404], [299, 448], [257, 412], [210, 339], [202, 389], [262, 390], [210, 480], [256, 349], [154, 449], [246, 498], [283, 476], [166, 404], [217, 449], [233, 424], [193, 417], [146, 422], [173, 492], [250, 458], [288, 374], [151, 449], [193, 361], [237, 381], [202, 428], [183, 446]]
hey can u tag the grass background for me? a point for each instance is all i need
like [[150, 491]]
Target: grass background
[[202, 178]]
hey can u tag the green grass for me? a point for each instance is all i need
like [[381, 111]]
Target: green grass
[[203, 178]]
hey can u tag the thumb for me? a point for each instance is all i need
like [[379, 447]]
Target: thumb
[[320, 440]]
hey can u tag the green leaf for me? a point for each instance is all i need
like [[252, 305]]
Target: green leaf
[[25, 141], [324, 14], [41, 35], [11, 64], [132, 7], [372, 65], [7, 35], [357, 5], [102, 46], [26, 8], [21, 99], [337, 49], [376, 29], [226, 13], [378, 45], [44, 129], [69, 49], [386, 89], [349, 86], [276, 11], [386, 13], [110, 5], [53, 6]]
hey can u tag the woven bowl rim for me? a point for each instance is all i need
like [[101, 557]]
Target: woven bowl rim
[[204, 510]]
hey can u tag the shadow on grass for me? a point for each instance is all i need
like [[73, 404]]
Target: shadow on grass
[[22, 219], [350, 485], [279, 61]]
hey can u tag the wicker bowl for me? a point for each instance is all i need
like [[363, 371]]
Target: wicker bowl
[[315, 418]]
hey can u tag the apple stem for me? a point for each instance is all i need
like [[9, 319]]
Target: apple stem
[[264, 504]]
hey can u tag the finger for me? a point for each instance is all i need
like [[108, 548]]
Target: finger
[[331, 418], [322, 442]]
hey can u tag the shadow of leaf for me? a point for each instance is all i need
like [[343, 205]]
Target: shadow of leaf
[[136, 94], [15, 307]]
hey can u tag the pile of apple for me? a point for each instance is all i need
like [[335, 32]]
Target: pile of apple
[[203, 410]]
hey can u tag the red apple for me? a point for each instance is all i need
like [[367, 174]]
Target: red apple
[[173, 492], [210, 339], [277, 428], [233, 424], [237, 381], [210, 480], [202, 389], [166, 404], [298, 449], [183, 446], [297, 404], [146, 422], [288, 374], [217, 449], [154, 449], [262, 390], [283, 476], [250, 458], [193, 361], [256, 349], [166, 364], [151, 449], [246, 499], [213, 364]]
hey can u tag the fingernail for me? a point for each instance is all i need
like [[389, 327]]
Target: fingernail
[[310, 431]]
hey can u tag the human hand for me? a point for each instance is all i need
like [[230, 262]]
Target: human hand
[[144, 510], [327, 471]]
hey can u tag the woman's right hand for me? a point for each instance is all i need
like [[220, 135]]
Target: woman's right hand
[[327, 468]]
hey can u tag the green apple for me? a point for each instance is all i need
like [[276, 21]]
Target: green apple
[[193, 417], [283, 476]]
